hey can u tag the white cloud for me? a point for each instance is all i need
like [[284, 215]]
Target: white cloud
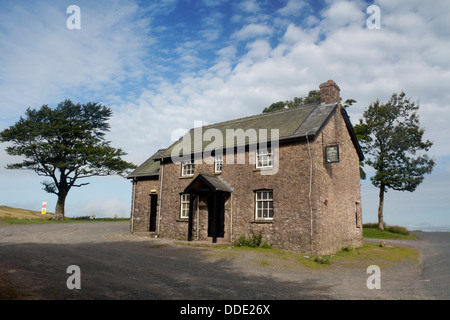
[[249, 6], [252, 31], [293, 8], [45, 61], [341, 14]]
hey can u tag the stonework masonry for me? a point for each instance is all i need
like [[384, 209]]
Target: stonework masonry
[[317, 205], [142, 189]]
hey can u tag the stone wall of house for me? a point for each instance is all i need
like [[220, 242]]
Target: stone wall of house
[[317, 205], [336, 191], [140, 218], [333, 201], [335, 224], [290, 227], [172, 225]]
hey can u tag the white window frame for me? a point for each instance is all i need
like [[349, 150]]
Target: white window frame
[[218, 164], [187, 168], [184, 207], [264, 205], [264, 158]]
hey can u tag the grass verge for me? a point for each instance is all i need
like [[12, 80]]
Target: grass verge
[[369, 253], [371, 231]]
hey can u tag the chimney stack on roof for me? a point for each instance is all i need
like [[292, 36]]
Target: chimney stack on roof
[[329, 92]]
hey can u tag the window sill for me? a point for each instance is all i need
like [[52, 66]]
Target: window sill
[[269, 221], [182, 220], [263, 169], [186, 177]]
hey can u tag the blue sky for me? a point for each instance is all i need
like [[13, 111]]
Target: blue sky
[[161, 65]]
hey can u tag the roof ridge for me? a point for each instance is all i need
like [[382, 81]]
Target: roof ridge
[[259, 115]]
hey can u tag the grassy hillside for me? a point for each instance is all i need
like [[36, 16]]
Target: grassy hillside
[[23, 214], [11, 216]]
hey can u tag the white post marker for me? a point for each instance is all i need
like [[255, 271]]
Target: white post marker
[[44, 208]]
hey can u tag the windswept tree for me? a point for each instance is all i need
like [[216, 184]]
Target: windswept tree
[[392, 140], [66, 144]]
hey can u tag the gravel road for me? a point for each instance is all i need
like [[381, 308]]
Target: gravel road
[[115, 265]]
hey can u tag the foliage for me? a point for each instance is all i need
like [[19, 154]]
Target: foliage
[[371, 231], [392, 140], [322, 260], [348, 103], [82, 218], [66, 144], [394, 229], [254, 240], [362, 134], [312, 97], [398, 230]]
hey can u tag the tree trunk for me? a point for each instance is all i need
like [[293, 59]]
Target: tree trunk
[[380, 208], [59, 211]]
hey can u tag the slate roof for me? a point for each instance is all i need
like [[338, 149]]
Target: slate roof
[[293, 124], [150, 168]]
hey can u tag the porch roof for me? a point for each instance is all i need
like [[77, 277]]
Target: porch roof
[[207, 182]]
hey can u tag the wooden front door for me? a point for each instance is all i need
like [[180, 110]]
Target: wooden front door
[[216, 216]]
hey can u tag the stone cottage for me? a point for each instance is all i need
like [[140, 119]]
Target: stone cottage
[[291, 174]]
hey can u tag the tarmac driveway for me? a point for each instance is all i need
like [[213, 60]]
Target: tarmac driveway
[[114, 265]]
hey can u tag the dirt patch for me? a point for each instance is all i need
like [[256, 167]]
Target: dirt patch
[[370, 253], [7, 289], [345, 272]]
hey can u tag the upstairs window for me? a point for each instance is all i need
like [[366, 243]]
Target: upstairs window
[[218, 164], [264, 158], [264, 204], [187, 168]]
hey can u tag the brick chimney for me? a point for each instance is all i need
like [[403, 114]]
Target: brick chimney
[[329, 92]]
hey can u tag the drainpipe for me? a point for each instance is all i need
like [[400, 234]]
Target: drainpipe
[[198, 216], [160, 196], [231, 217], [132, 205], [309, 193]]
